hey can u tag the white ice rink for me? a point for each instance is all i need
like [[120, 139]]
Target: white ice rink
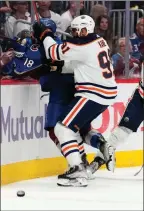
[[119, 191]]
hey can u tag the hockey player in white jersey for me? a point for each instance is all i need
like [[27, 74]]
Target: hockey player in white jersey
[[95, 84], [129, 123]]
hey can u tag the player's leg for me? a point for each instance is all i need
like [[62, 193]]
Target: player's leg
[[131, 120], [61, 92], [52, 114], [96, 140], [78, 113], [76, 175], [88, 135], [60, 96]]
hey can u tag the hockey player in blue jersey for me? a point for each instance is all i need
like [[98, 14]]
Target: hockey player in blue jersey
[[137, 39]]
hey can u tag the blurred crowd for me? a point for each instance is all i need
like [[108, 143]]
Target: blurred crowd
[[62, 13]]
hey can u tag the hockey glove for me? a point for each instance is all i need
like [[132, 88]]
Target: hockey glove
[[41, 31]]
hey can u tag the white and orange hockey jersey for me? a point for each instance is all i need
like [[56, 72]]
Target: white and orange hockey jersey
[[93, 71], [141, 84]]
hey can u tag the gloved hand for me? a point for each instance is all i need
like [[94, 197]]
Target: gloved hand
[[41, 31], [6, 57]]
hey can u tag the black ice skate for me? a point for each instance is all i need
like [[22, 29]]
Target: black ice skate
[[96, 164], [75, 177], [84, 160]]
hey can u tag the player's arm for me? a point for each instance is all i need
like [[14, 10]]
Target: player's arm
[[5, 58], [65, 51]]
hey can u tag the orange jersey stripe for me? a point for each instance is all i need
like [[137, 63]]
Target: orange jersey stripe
[[74, 111], [53, 51], [81, 148], [96, 89], [69, 147]]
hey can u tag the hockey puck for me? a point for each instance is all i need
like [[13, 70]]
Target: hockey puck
[[20, 193], [126, 119]]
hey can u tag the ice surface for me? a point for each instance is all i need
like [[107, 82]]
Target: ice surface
[[109, 191]]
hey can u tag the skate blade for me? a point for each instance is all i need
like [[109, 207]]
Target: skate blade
[[111, 165], [78, 182]]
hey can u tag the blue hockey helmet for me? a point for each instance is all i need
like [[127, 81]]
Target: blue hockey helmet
[[49, 23]]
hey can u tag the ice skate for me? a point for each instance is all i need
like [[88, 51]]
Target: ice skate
[[75, 177], [84, 160], [96, 164], [106, 155], [108, 152], [87, 166]]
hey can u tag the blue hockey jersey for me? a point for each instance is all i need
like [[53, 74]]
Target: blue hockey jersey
[[25, 61], [136, 42], [28, 60]]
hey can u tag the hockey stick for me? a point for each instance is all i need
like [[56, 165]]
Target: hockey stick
[[139, 171], [64, 33], [7, 3], [35, 11]]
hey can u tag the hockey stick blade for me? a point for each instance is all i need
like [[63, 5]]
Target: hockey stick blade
[[139, 171]]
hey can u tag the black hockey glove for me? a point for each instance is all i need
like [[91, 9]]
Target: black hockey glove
[[41, 31]]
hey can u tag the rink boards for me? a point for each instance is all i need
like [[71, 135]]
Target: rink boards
[[26, 150]]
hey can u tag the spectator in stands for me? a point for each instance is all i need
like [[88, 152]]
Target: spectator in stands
[[57, 7], [98, 10], [137, 40], [19, 11], [3, 10], [104, 29], [69, 15], [5, 58], [118, 61], [82, 8], [45, 12]]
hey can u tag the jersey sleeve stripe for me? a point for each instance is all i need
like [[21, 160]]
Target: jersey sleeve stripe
[[49, 52], [57, 52], [53, 52]]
